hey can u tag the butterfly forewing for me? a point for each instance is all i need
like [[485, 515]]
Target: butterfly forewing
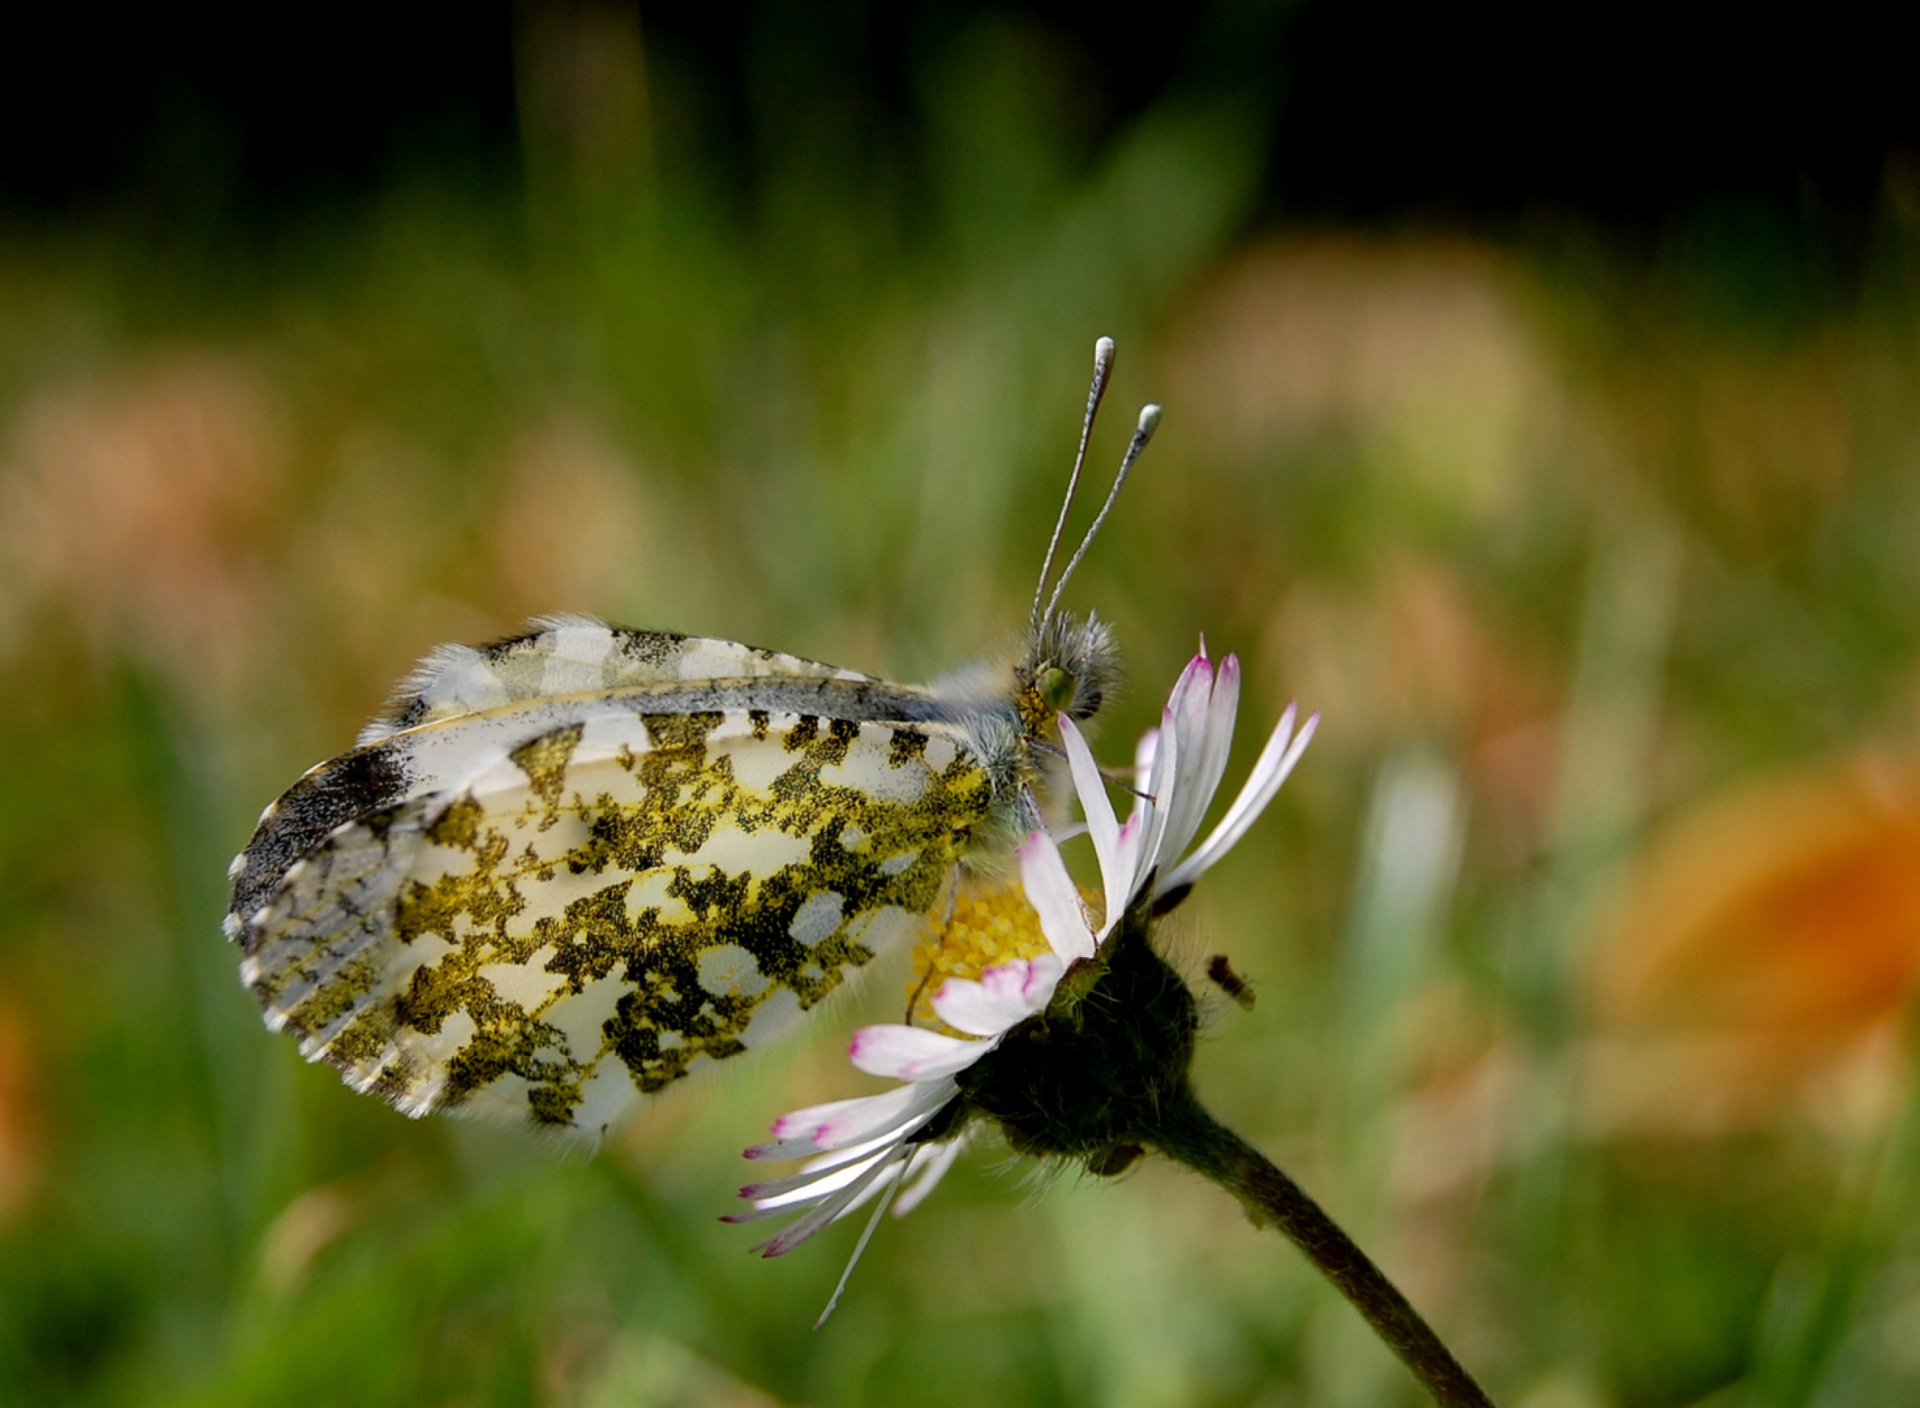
[[595, 911], [464, 709], [567, 655]]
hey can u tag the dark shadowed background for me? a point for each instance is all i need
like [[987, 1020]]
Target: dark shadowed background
[[1542, 406]]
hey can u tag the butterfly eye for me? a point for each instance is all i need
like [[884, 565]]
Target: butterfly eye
[[1057, 688]]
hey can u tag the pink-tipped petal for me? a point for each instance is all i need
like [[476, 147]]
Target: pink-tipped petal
[[1187, 706], [841, 1123], [1191, 706], [1005, 994], [1192, 693], [840, 1115], [822, 1175], [830, 1208], [910, 1053], [968, 1007], [785, 1195], [1037, 983], [1276, 761], [1195, 679], [1050, 891], [1204, 763]]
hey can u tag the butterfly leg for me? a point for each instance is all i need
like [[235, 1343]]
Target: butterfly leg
[[946, 928]]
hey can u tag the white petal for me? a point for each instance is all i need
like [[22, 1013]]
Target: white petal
[[930, 1162], [1142, 768], [1006, 993], [1127, 862], [892, 1184], [1050, 891], [911, 1053], [821, 1175], [848, 1153], [1042, 977], [903, 1155], [1276, 761], [1195, 679], [1101, 823], [1203, 763], [969, 1007], [865, 1112], [842, 1123], [820, 1172], [1160, 790], [1188, 704], [830, 1208], [778, 1195]]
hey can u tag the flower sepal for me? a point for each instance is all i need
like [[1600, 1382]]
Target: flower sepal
[[1089, 1078], [1077, 984]]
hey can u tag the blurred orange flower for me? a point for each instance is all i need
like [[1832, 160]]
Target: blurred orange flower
[[139, 503], [1765, 956]]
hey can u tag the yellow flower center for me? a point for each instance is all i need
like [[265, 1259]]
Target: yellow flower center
[[992, 923]]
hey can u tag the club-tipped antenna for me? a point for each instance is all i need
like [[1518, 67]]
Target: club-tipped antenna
[[1143, 432], [1102, 369]]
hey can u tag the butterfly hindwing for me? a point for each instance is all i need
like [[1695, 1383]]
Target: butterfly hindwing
[[609, 903]]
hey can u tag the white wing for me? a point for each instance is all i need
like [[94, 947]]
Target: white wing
[[573, 655], [598, 910]]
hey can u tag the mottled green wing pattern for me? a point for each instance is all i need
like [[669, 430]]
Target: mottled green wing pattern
[[609, 905]]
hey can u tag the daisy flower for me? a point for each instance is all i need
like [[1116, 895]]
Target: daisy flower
[[896, 1146]]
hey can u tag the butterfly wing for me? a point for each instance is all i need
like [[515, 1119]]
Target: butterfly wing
[[602, 908], [463, 709], [567, 655]]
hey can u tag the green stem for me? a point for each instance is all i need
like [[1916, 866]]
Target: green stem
[[1193, 1137]]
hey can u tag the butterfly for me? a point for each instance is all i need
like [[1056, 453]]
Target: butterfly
[[564, 870]]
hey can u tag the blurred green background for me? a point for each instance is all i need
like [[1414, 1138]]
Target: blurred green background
[[1571, 477]]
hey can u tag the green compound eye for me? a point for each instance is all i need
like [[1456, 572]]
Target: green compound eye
[[1056, 688]]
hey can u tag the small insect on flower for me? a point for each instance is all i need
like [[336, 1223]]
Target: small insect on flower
[[561, 871], [1220, 973], [955, 1080]]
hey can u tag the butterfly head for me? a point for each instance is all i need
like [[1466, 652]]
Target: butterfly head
[[1070, 666]]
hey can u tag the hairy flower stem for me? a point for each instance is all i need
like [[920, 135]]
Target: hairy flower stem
[[1189, 1135]]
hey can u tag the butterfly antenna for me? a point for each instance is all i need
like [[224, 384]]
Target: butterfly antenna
[[1143, 432], [1102, 369]]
